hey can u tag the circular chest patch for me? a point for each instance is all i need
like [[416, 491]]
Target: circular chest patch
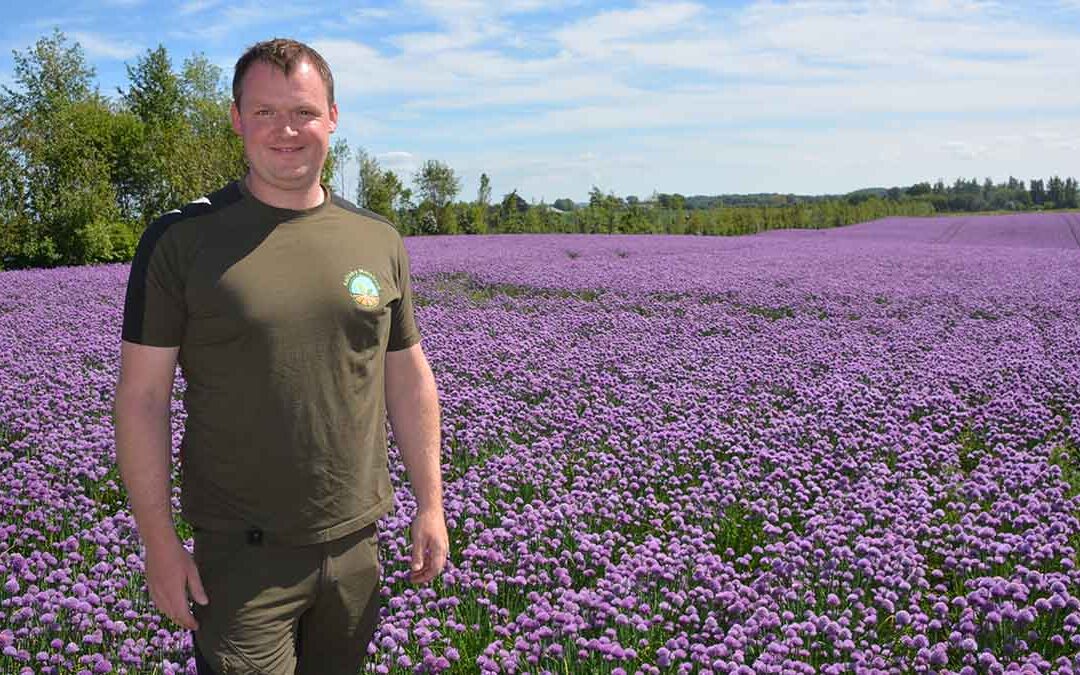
[[363, 287]]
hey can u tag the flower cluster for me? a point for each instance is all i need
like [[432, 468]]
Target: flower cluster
[[806, 451]]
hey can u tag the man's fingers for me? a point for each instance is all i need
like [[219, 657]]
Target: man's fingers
[[418, 553], [194, 582], [176, 607], [431, 563]]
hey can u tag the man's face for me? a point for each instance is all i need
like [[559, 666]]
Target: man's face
[[286, 124]]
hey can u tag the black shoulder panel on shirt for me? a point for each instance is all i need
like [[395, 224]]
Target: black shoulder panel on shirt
[[349, 206], [135, 297]]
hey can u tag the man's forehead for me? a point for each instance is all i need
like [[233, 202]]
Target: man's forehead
[[265, 82]]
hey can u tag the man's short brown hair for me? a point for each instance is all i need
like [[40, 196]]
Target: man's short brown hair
[[285, 55]]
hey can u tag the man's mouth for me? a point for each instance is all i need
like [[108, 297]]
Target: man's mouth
[[286, 149]]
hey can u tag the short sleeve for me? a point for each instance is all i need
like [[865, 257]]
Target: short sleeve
[[403, 331], [154, 307]]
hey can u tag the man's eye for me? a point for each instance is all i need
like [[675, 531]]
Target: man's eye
[[306, 113], [263, 113]]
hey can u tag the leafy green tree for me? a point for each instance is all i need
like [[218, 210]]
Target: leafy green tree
[[563, 204], [1055, 191], [1069, 194], [437, 185], [512, 212], [155, 92], [58, 133], [378, 190], [1038, 192], [476, 223], [51, 75], [211, 154], [13, 213], [334, 167]]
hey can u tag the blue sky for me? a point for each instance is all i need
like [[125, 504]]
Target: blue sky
[[552, 97]]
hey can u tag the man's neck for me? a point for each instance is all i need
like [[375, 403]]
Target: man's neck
[[285, 199]]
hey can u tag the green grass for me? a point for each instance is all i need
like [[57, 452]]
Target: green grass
[[481, 293], [973, 448], [1067, 458], [771, 313]]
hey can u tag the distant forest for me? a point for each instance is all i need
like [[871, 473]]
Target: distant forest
[[83, 174], [962, 195]]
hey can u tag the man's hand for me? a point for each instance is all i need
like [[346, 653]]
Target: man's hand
[[170, 575], [430, 546]]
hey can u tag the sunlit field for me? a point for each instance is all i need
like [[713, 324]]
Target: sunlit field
[[806, 451]]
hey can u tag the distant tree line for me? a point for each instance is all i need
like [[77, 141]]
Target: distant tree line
[[1012, 195], [83, 174]]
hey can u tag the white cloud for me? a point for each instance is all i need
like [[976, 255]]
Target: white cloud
[[233, 18], [370, 13], [595, 35], [195, 6], [399, 161], [101, 46], [802, 71], [965, 150]]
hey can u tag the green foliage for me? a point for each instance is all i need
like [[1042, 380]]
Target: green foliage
[[377, 190], [1067, 457], [437, 185], [154, 94], [81, 176], [476, 215], [334, 166], [1011, 195]]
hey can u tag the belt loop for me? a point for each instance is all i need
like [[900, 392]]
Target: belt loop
[[255, 536]]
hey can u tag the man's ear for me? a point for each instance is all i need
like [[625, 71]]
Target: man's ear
[[333, 117], [234, 115]]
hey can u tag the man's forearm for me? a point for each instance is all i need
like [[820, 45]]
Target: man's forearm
[[413, 408], [143, 449]]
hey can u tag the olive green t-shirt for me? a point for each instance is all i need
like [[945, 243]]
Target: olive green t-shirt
[[283, 319]]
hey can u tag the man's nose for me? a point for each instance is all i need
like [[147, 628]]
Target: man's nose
[[290, 125]]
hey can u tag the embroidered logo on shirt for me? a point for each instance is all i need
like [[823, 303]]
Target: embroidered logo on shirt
[[364, 288]]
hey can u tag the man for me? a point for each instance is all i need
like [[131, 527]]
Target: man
[[290, 313]]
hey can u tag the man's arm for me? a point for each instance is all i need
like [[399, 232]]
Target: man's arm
[[143, 448], [412, 403]]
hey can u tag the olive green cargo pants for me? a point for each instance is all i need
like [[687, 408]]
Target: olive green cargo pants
[[277, 609]]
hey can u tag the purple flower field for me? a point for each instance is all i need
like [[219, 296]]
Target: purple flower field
[[847, 450]]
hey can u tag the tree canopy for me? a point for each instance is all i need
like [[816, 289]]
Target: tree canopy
[[82, 175]]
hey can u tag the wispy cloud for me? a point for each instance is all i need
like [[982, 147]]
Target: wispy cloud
[[100, 46], [562, 92], [399, 161], [602, 33], [195, 7], [228, 20]]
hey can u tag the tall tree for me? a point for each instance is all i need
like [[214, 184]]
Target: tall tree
[[512, 212], [155, 92], [437, 185], [155, 96], [212, 153], [334, 167], [1055, 191], [1069, 195], [377, 190], [58, 132], [477, 222], [50, 75], [1038, 191]]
